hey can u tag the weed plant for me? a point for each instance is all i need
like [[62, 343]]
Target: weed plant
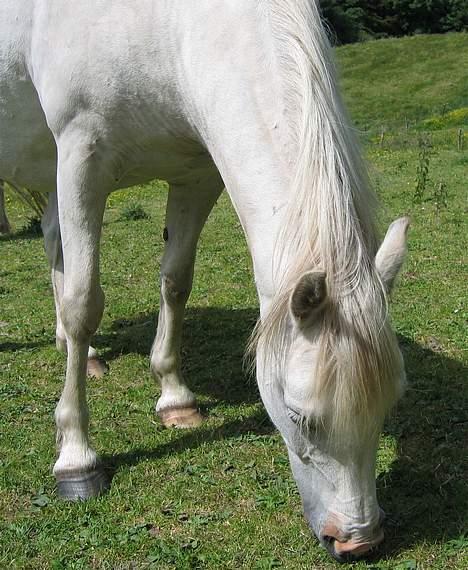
[[422, 170], [133, 212]]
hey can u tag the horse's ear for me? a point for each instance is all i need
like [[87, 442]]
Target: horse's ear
[[309, 295], [392, 252]]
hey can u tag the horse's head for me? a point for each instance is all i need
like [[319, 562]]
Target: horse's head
[[338, 382]]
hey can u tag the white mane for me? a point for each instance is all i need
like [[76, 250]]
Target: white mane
[[330, 225]]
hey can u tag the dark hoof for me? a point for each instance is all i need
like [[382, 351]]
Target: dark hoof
[[82, 486]]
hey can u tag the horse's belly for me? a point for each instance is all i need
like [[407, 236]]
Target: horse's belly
[[27, 149]]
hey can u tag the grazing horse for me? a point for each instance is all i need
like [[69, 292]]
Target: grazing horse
[[239, 94]]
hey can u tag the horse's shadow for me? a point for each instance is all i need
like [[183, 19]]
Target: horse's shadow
[[425, 492], [422, 492], [213, 348], [31, 230]]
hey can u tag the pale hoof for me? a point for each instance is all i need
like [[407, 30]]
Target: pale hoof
[[188, 417], [82, 486], [96, 367]]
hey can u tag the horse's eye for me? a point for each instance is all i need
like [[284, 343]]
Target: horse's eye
[[307, 424], [294, 416]]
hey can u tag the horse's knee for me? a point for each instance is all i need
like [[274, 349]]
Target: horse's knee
[[175, 289], [81, 312]]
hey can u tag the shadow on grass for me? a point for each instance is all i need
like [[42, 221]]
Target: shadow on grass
[[423, 492], [18, 346], [32, 230], [253, 427], [213, 347]]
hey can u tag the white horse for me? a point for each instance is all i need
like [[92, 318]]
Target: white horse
[[237, 93]]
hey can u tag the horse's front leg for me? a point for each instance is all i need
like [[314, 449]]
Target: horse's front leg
[[187, 210], [53, 246], [81, 202], [5, 227]]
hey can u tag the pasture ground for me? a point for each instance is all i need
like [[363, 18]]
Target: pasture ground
[[222, 496]]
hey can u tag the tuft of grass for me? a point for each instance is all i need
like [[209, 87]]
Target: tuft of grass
[[133, 212], [37, 201], [440, 197], [32, 228]]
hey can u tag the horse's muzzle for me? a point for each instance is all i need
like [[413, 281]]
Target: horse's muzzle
[[344, 549]]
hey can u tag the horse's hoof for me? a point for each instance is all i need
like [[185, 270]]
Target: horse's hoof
[[96, 367], [188, 417], [82, 486]]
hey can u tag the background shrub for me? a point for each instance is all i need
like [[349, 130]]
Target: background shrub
[[354, 20]]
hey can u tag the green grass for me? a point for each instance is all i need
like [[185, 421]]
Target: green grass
[[222, 496], [389, 82]]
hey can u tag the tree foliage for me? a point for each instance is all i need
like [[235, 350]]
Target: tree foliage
[[353, 20]]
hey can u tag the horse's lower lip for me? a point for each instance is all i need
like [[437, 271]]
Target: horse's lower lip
[[347, 549], [350, 553]]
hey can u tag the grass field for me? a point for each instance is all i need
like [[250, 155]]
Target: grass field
[[222, 496]]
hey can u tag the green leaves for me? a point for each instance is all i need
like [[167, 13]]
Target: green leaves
[[458, 544], [183, 555], [40, 499]]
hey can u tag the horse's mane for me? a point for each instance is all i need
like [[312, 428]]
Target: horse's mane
[[329, 225]]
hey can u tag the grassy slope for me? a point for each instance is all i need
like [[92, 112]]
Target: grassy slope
[[389, 81], [222, 496]]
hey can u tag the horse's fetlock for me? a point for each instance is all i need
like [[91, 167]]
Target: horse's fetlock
[[76, 456], [164, 365], [67, 416], [175, 396]]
